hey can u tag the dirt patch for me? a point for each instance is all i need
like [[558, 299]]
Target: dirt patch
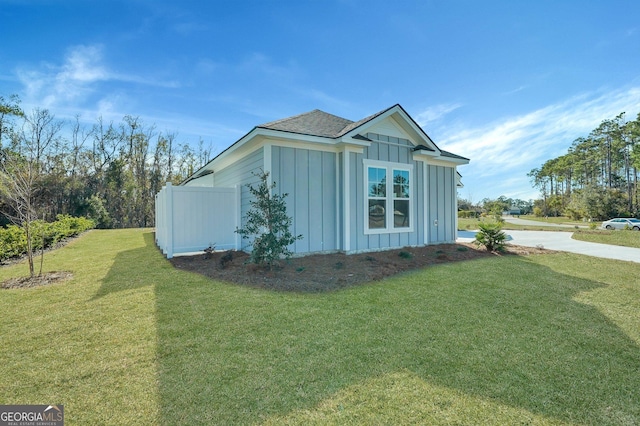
[[37, 281], [327, 272]]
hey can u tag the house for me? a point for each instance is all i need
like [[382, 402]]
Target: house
[[367, 185]]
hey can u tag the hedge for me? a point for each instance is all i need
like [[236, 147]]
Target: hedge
[[13, 239]]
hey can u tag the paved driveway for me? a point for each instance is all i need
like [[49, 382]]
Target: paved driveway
[[562, 241]]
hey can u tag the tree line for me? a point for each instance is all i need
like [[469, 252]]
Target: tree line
[[597, 178], [108, 172], [494, 207]]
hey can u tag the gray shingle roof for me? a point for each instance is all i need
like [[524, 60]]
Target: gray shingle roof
[[318, 123], [313, 123], [322, 124], [356, 124]]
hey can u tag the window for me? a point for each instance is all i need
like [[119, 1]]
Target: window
[[388, 197]]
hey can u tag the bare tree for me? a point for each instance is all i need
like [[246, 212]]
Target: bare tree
[[18, 183], [21, 170]]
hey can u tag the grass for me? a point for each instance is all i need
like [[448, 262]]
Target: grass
[[615, 237], [559, 220], [551, 339], [472, 224]]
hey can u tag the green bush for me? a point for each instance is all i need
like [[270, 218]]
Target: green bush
[[268, 223], [467, 214], [13, 242], [13, 239], [491, 236]]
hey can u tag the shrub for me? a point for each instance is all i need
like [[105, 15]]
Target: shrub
[[405, 255], [491, 236], [13, 242], [467, 214], [13, 239], [268, 223]]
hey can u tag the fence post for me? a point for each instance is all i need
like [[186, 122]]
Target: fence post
[[238, 215], [169, 219]]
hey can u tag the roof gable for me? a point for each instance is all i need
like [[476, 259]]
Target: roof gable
[[319, 124], [399, 119]]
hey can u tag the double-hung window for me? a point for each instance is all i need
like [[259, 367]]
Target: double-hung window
[[388, 197]]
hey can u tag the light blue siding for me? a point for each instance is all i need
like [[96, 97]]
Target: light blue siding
[[242, 173], [309, 177], [441, 192], [396, 151]]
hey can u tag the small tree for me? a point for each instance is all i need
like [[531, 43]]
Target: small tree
[[491, 236], [18, 186], [268, 223]]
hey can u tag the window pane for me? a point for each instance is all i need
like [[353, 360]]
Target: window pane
[[401, 214], [377, 216], [377, 182], [401, 183]]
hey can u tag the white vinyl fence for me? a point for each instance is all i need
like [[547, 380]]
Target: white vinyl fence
[[190, 219]]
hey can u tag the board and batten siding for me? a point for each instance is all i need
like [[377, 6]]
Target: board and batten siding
[[396, 151], [242, 173], [309, 177], [441, 216]]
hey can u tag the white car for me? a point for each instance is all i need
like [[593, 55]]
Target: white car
[[622, 223]]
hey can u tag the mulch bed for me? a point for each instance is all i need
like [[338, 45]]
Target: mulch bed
[[37, 281], [327, 272]]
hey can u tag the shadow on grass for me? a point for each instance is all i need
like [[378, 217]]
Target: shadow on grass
[[504, 329], [126, 273]]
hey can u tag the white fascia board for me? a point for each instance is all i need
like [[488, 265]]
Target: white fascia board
[[408, 125], [233, 154], [438, 160], [457, 161], [279, 134], [258, 137], [352, 145], [303, 144], [423, 154], [402, 119]]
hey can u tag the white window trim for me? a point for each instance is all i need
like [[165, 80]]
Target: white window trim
[[390, 166]]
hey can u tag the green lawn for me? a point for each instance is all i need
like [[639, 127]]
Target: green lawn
[[550, 339], [560, 220], [472, 224], [603, 236]]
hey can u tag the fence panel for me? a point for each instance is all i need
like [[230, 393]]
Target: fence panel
[[190, 219]]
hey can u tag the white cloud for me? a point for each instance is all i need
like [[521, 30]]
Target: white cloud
[[516, 90], [54, 85], [83, 64], [83, 68], [435, 113], [503, 152], [541, 134]]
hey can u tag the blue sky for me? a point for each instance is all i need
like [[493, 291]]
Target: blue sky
[[508, 84]]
